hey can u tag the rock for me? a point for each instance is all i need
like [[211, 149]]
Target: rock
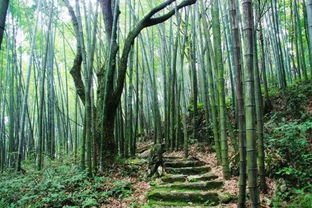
[[172, 178], [145, 154], [186, 184], [143, 149], [281, 185], [169, 178], [283, 188], [267, 201], [193, 185], [160, 170], [136, 161], [183, 163], [226, 198], [155, 159], [189, 170], [184, 196], [204, 177]]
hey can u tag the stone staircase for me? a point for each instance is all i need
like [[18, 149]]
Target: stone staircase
[[187, 183]]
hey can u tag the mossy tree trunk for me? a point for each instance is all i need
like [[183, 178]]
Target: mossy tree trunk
[[237, 60], [3, 13], [248, 28], [194, 76], [109, 94], [259, 110]]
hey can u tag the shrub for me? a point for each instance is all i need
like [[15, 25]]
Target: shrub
[[57, 186], [289, 154]]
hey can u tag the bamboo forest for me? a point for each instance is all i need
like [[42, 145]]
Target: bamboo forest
[[155, 103]]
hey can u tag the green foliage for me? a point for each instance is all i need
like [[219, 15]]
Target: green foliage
[[89, 202], [291, 103], [146, 206], [303, 199], [200, 107], [288, 149], [57, 186], [210, 203], [288, 154], [289, 160], [204, 128], [294, 198], [139, 205], [121, 189]]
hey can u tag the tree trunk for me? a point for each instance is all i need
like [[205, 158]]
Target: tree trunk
[[3, 13], [109, 148], [309, 14], [250, 102], [220, 85], [259, 112], [240, 102], [212, 100]]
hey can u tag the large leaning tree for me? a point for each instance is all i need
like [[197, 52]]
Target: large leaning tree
[[111, 77]]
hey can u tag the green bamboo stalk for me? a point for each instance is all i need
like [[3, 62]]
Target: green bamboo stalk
[[220, 85]]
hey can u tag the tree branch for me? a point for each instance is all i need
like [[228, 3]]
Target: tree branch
[[147, 21], [76, 68], [158, 8], [163, 18]]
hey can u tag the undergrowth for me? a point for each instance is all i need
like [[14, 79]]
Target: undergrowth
[[288, 139], [58, 186]]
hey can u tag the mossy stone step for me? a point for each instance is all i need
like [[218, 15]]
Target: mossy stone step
[[179, 205], [203, 177], [174, 158], [170, 178], [183, 163], [202, 197], [188, 170], [204, 186]]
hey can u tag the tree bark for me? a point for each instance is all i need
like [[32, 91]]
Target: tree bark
[[3, 13], [216, 30], [108, 96], [240, 102], [309, 14], [250, 102], [112, 96], [76, 68]]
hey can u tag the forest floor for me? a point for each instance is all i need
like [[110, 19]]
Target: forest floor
[[288, 148], [203, 153], [288, 137], [141, 185]]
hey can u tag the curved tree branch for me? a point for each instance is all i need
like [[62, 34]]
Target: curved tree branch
[[147, 21], [76, 68]]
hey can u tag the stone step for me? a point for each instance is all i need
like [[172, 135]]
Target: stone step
[[188, 170], [202, 177], [204, 186], [168, 205], [183, 197], [169, 178], [173, 158], [183, 163]]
